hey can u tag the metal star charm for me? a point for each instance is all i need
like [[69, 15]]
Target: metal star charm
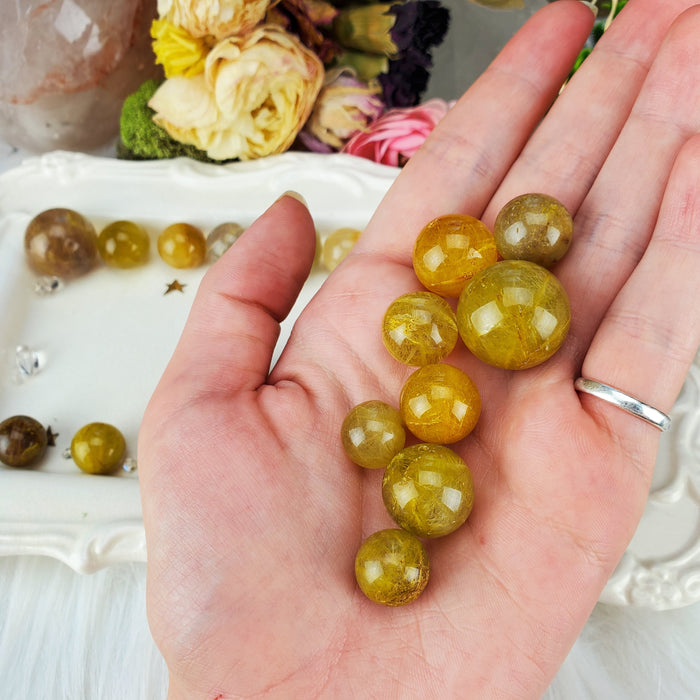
[[51, 437], [175, 286]]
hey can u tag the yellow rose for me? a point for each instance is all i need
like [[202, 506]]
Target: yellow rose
[[177, 51], [219, 18], [252, 100]]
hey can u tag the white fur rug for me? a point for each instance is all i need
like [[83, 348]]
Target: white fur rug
[[67, 636]]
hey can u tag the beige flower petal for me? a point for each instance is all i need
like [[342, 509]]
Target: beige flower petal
[[219, 18]]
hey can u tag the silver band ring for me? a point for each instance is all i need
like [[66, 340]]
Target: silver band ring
[[624, 401]]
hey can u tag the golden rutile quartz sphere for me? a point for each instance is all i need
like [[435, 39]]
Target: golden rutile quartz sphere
[[450, 250], [514, 314], [428, 490], [372, 433], [336, 247], [534, 227], [419, 328], [98, 448], [182, 246], [392, 567], [61, 242], [440, 403], [124, 244]]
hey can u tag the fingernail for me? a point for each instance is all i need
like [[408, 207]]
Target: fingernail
[[295, 195], [591, 6]]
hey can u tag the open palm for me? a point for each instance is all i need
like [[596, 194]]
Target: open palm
[[253, 512]]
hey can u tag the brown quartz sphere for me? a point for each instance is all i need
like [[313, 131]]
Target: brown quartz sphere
[[182, 246], [440, 403], [372, 433], [533, 227], [61, 243], [23, 441], [450, 250]]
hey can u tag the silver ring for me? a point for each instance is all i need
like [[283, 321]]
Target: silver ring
[[624, 401]]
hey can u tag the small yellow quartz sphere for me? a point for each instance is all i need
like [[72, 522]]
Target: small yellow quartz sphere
[[337, 245], [440, 403], [372, 433], [392, 567], [534, 227], [428, 490], [182, 246], [450, 250], [514, 315], [98, 448], [124, 244], [419, 328]]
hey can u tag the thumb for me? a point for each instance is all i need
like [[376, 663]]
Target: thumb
[[230, 335]]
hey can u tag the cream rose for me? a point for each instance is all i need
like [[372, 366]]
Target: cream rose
[[252, 100], [220, 18]]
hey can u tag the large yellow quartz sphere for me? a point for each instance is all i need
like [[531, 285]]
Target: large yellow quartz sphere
[[428, 490], [372, 433], [514, 315], [534, 227], [392, 567], [182, 246], [124, 244], [440, 403], [450, 250], [419, 328]]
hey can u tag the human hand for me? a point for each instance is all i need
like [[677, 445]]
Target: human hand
[[253, 513]]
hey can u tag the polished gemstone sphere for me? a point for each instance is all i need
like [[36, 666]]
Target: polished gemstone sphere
[[61, 243], [182, 246], [419, 328], [337, 245], [514, 315], [98, 448], [372, 433], [450, 250], [23, 441], [534, 227], [124, 244], [440, 403], [428, 490], [221, 238], [392, 567]]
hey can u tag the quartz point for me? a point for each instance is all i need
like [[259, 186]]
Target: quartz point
[[129, 465], [48, 284], [67, 67], [28, 362]]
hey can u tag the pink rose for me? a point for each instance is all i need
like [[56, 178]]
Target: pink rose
[[395, 136]]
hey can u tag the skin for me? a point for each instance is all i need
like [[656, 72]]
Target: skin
[[253, 514]]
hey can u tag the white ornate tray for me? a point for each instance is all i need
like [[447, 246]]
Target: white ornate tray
[[107, 337]]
